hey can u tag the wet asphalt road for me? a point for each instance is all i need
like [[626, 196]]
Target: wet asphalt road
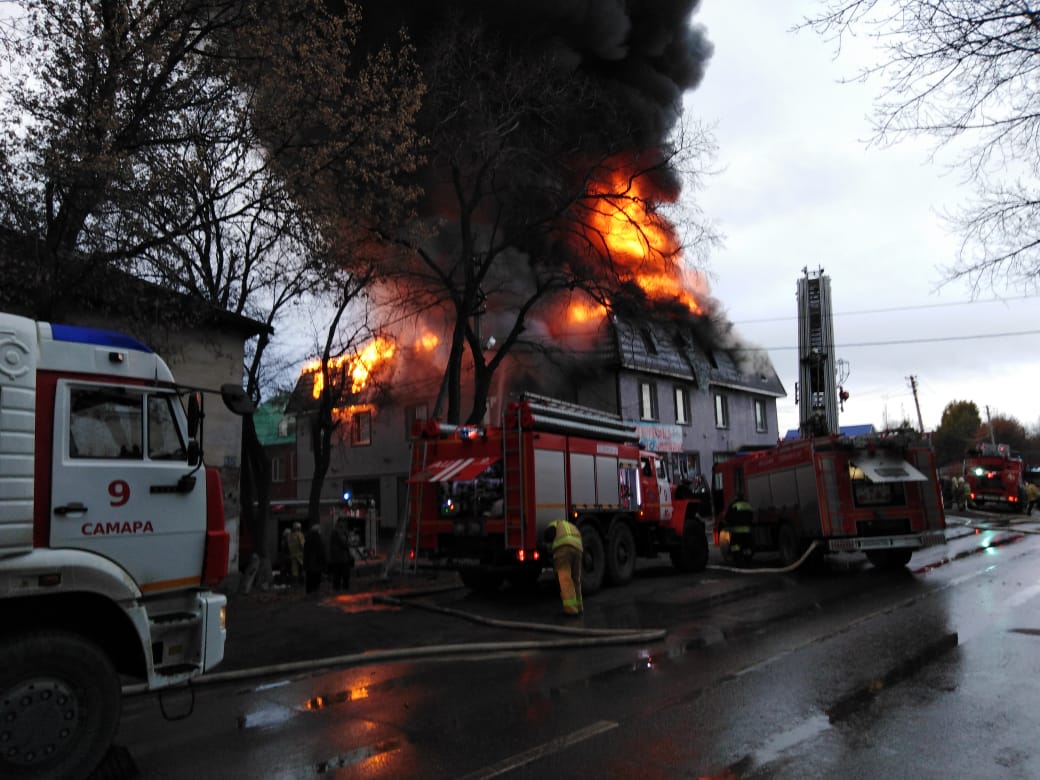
[[849, 672]]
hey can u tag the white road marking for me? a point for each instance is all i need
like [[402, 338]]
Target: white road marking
[[547, 749]]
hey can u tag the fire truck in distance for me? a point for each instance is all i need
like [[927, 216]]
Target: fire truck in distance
[[995, 476], [480, 499], [877, 494], [111, 536]]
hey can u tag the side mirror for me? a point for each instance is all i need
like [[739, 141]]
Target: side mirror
[[194, 453], [194, 413], [236, 400]]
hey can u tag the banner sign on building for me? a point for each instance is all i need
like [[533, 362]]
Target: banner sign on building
[[658, 438]]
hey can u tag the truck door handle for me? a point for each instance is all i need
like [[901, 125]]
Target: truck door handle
[[70, 508]]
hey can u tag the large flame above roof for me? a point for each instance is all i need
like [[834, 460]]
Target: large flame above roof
[[638, 243]]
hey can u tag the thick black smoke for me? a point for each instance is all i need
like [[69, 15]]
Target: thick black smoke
[[645, 53]]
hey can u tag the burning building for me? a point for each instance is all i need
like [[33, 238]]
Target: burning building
[[559, 270]]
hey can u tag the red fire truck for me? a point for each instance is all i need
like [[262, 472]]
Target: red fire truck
[[876, 493], [111, 539], [480, 499], [995, 476]]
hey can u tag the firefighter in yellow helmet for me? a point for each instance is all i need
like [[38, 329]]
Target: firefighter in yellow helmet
[[567, 554]]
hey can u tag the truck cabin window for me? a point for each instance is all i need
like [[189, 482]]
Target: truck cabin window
[[164, 436], [105, 423]]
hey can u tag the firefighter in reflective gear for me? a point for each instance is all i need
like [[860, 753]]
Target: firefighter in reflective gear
[[1032, 497], [738, 523], [567, 554]]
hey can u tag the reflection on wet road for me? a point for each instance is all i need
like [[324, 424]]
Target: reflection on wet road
[[778, 676]]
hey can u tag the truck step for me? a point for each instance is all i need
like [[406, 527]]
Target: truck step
[[174, 670]]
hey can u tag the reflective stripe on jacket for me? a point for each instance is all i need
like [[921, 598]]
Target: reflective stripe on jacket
[[566, 533]]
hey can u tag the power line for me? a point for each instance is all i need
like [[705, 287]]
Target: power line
[[892, 309], [897, 342]]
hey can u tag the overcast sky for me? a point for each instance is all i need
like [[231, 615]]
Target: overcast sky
[[800, 187]]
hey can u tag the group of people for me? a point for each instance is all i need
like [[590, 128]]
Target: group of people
[[309, 561]]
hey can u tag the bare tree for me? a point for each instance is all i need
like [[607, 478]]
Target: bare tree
[[91, 90], [964, 71], [276, 210]]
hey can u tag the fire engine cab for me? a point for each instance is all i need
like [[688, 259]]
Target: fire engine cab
[[481, 498], [111, 536], [995, 476]]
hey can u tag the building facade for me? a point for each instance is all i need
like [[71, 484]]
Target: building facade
[[698, 405]]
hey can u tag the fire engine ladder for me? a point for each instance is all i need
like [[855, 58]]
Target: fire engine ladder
[[513, 481]]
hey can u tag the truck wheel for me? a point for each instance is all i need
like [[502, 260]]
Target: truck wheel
[[60, 702], [480, 581], [789, 545], [621, 553], [889, 560], [692, 553], [593, 560]]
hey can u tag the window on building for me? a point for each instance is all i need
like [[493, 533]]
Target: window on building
[[361, 429], [721, 411], [648, 341], [761, 424], [277, 469], [682, 406], [716, 458], [647, 401]]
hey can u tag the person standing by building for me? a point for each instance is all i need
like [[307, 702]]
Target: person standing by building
[[567, 555], [314, 559], [341, 560], [296, 542]]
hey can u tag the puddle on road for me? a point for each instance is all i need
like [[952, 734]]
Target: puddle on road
[[1012, 537], [358, 755]]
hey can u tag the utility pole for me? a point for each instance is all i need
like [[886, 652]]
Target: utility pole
[[989, 424], [913, 386]]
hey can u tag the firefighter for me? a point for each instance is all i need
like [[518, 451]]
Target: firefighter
[[738, 523], [1032, 496], [966, 502], [567, 554]]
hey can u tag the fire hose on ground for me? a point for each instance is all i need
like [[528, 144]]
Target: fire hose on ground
[[577, 637], [771, 570]]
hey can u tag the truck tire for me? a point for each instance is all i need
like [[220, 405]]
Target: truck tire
[[593, 559], [621, 553], [692, 553], [889, 560], [60, 702]]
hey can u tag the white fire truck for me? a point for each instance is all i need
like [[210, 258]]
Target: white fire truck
[[111, 534], [481, 499]]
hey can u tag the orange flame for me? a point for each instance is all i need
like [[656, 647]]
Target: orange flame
[[358, 366], [643, 245], [428, 342], [585, 311]]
